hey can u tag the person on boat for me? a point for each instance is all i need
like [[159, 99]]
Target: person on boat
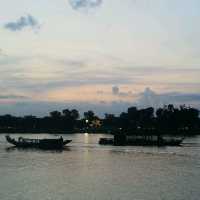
[[61, 138]]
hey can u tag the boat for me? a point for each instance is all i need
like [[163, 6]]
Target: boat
[[38, 143], [138, 140]]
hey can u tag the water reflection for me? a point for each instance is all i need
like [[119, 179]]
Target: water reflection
[[86, 138], [13, 148]]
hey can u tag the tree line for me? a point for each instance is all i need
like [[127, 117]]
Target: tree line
[[169, 119]]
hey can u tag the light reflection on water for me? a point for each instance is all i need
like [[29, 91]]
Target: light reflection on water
[[86, 170]]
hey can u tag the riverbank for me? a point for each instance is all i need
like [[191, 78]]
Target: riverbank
[[113, 131]]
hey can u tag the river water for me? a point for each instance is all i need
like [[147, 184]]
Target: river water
[[88, 171]]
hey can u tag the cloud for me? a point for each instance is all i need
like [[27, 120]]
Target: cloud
[[37, 74], [79, 4], [2, 53], [145, 99], [116, 92], [151, 98], [11, 96], [22, 23]]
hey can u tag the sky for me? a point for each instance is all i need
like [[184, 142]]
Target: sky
[[103, 55]]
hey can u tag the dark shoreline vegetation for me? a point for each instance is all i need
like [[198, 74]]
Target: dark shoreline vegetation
[[168, 120]]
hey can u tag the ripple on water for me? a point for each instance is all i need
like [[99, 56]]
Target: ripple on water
[[86, 170]]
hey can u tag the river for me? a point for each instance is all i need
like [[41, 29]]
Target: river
[[88, 171]]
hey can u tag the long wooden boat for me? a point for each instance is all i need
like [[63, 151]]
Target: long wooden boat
[[124, 140], [38, 143]]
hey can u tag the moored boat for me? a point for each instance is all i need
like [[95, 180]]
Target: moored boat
[[38, 143], [135, 140]]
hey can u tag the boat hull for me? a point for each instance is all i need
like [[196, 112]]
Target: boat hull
[[140, 142]]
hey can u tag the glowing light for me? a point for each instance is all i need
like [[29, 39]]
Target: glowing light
[[86, 134]]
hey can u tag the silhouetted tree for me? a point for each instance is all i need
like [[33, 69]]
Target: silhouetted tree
[[89, 115], [167, 119], [66, 113], [75, 114], [55, 114]]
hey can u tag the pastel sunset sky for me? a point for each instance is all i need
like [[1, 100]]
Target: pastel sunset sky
[[98, 54]]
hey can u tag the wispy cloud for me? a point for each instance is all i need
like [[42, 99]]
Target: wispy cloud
[[147, 98], [2, 53], [37, 74], [22, 23], [12, 96], [78, 4]]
